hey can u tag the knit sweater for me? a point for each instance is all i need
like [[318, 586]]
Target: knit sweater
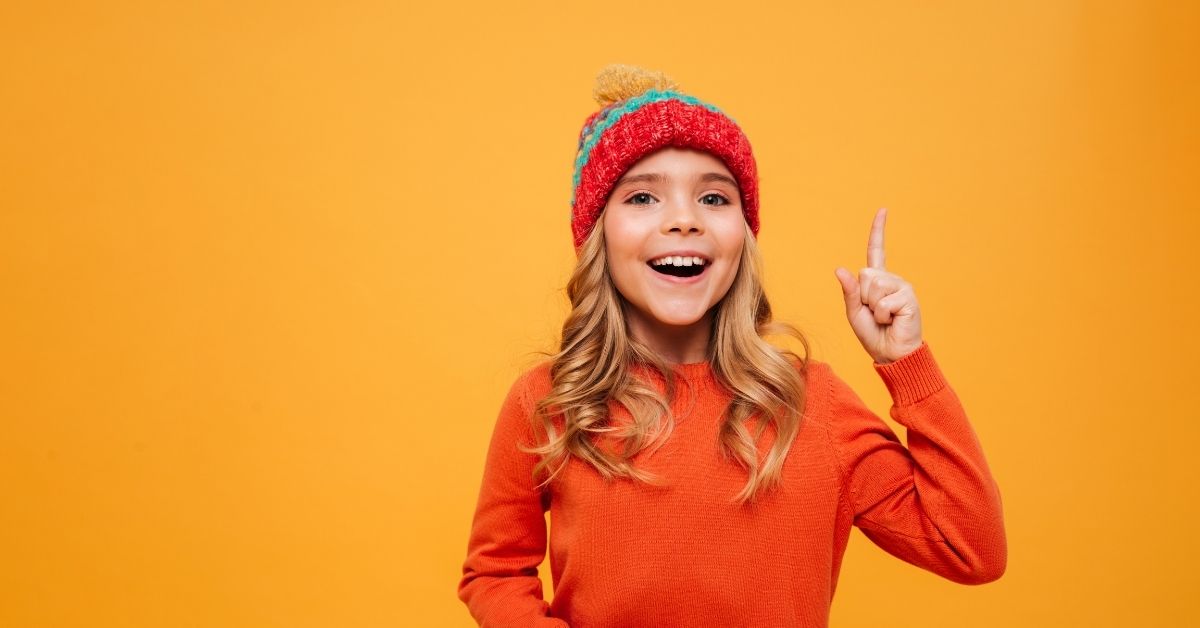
[[625, 553]]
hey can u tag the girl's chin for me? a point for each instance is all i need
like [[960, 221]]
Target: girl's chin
[[678, 319], [667, 312]]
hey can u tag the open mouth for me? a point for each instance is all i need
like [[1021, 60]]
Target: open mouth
[[679, 266]]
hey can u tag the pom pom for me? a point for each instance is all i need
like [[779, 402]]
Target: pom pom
[[618, 82]]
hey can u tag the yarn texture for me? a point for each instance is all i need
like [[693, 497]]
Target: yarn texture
[[619, 82]]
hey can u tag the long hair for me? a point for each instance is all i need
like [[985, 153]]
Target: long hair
[[597, 357]]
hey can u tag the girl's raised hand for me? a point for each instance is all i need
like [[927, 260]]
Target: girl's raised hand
[[881, 307]]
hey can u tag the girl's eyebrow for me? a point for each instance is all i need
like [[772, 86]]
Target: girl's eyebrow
[[651, 177], [658, 177], [716, 176]]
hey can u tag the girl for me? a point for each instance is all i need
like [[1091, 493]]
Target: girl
[[695, 474]]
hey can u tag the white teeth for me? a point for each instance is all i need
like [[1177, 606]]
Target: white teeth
[[678, 260]]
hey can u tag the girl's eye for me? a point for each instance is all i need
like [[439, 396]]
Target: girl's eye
[[644, 198]]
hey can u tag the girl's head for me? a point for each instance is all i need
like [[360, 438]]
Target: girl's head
[[674, 234], [662, 174], [673, 180]]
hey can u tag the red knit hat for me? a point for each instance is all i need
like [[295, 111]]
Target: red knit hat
[[641, 112]]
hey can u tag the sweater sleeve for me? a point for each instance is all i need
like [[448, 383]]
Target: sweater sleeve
[[933, 504], [500, 583]]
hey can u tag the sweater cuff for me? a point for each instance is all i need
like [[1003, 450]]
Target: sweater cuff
[[913, 377]]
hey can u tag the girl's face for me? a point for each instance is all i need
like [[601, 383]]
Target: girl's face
[[673, 206]]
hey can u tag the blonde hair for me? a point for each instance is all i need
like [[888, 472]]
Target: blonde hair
[[597, 356]]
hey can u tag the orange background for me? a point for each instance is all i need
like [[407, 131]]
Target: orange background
[[268, 271]]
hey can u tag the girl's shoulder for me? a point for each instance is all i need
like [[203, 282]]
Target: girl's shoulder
[[533, 381], [817, 375], [814, 372], [531, 386], [516, 420]]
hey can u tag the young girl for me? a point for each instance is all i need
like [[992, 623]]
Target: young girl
[[695, 474]]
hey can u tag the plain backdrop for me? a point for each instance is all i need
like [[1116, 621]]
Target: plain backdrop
[[268, 268]]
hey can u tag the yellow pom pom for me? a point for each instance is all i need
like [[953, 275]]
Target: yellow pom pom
[[618, 81]]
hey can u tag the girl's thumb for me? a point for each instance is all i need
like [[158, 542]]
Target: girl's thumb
[[849, 288]]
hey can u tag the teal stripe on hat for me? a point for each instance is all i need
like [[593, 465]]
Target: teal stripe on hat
[[613, 116]]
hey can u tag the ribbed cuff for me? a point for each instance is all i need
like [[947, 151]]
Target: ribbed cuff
[[913, 377]]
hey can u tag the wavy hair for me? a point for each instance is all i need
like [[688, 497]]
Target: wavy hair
[[595, 365]]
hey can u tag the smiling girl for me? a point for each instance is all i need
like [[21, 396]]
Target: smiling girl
[[696, 474]]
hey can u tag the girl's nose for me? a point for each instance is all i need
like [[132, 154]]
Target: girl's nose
[[682, 215]]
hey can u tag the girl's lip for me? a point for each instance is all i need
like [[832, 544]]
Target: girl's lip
[[680, 280]]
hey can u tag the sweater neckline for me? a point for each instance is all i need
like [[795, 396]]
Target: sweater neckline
[[693, 370]]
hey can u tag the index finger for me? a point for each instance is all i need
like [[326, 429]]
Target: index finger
[[875, 242]]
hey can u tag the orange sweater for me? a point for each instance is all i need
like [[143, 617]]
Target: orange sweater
[[629, 554]]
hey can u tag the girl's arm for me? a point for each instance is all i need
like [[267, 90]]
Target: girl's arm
[[500, 583], [934, 504]]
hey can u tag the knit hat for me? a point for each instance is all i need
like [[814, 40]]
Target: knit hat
[[641, 112]]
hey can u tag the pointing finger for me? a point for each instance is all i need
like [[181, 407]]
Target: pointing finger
[[875, 242]]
